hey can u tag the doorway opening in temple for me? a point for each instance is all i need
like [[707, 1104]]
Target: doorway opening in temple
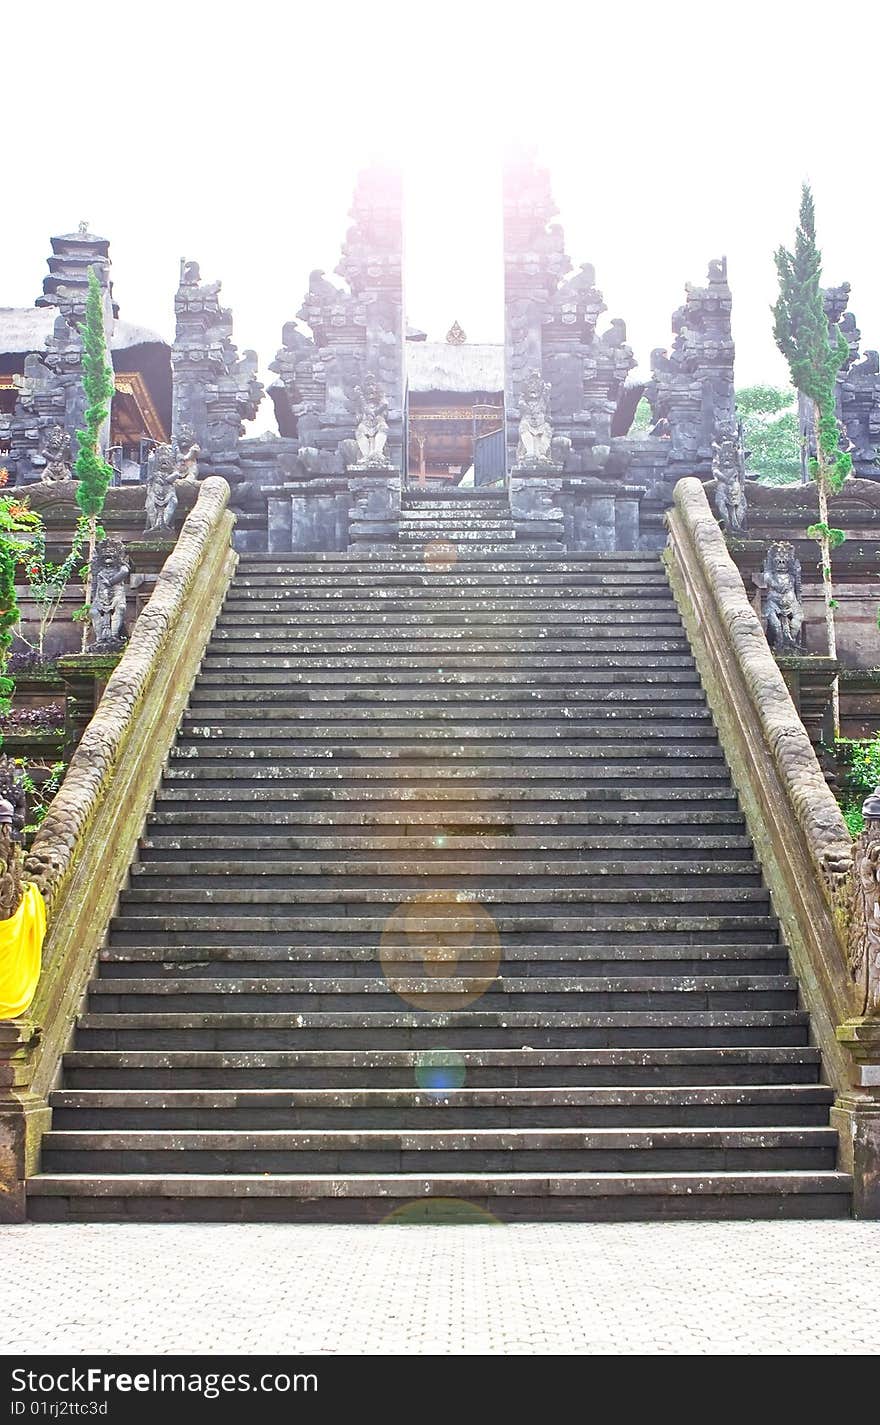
[[454, 412]]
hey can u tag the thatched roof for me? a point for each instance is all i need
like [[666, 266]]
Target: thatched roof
[[442, 366], [26, 329]]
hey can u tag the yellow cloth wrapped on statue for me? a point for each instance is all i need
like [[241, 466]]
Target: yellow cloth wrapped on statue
[[21, 945]]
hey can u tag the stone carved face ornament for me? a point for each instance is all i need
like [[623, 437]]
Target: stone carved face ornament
[[728, 470], [783, 610], [535, 430]]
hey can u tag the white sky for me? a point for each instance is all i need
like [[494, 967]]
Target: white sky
[[232, 133]]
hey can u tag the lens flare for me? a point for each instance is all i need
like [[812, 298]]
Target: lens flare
[[440, 555], [440, 1069], [439, 951], [440, 1212]]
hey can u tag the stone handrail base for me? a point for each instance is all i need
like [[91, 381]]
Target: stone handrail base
[[86, 844], [800, 837]]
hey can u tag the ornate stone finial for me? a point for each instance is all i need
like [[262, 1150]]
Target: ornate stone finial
[[456, 336], [535, 430], [783, 610], [728, 471], [57, 455], [371, 431], [110, 572], [83, 227]]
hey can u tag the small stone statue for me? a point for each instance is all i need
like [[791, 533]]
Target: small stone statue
[[186, 453], [162, 476], [371, 431], [56, 452], [728, 470], [864, 948], [783, 610], [535, 430], [12, 790], [110, 571]]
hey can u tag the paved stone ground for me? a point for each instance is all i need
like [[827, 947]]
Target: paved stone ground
[[796, 1287]]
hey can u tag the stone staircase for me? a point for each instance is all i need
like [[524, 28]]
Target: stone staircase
[[446, 899], [475, 521]]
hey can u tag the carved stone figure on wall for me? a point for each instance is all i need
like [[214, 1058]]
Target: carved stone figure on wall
[[56, 452], [728, 470], [371, 431], [187, 454], [110, 572], [162, 476], [864, 957], [535, 430], [783, 610]]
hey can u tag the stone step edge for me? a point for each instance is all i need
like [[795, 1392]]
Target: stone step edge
[[417, 1187]]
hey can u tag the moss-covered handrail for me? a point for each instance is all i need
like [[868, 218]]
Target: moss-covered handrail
[[798, 829], [81, 855]]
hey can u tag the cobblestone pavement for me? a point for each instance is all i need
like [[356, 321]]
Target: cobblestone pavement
[[799, 1287]]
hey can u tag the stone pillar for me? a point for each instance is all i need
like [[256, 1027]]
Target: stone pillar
[[535, 502], [375, 505]]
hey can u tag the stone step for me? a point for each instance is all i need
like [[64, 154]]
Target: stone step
[[275, 621], [428, 601], [370, 561], [622, 737], [145, 959], [449, 818], [452, 1197], [445, 666], [226, 929], [443, 804], [378, 994], [304, 642], [164, 845], [468, 703], [437, 851], [411, 1150], [453, 769], [545, 871], [448, 1030], [132, 1110], [519, 900], [426, 678], [479, 1068]]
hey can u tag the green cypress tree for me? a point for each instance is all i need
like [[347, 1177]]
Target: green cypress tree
[[800, 327], [90, 468]]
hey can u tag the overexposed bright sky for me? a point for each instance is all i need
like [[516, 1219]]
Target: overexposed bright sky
[[232, 133]]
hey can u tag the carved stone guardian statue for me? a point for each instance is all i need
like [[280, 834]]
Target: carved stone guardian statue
[[56, 452], [728, 471], [371, 431], [535, 431], [110, 572], [783, 609], [162, 476]]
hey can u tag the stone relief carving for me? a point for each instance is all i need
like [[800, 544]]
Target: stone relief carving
[[110, 573], [535, 430], [865, 926], [371, 431], [783, 609], [57, 454], [729, 473], [162, 476]]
